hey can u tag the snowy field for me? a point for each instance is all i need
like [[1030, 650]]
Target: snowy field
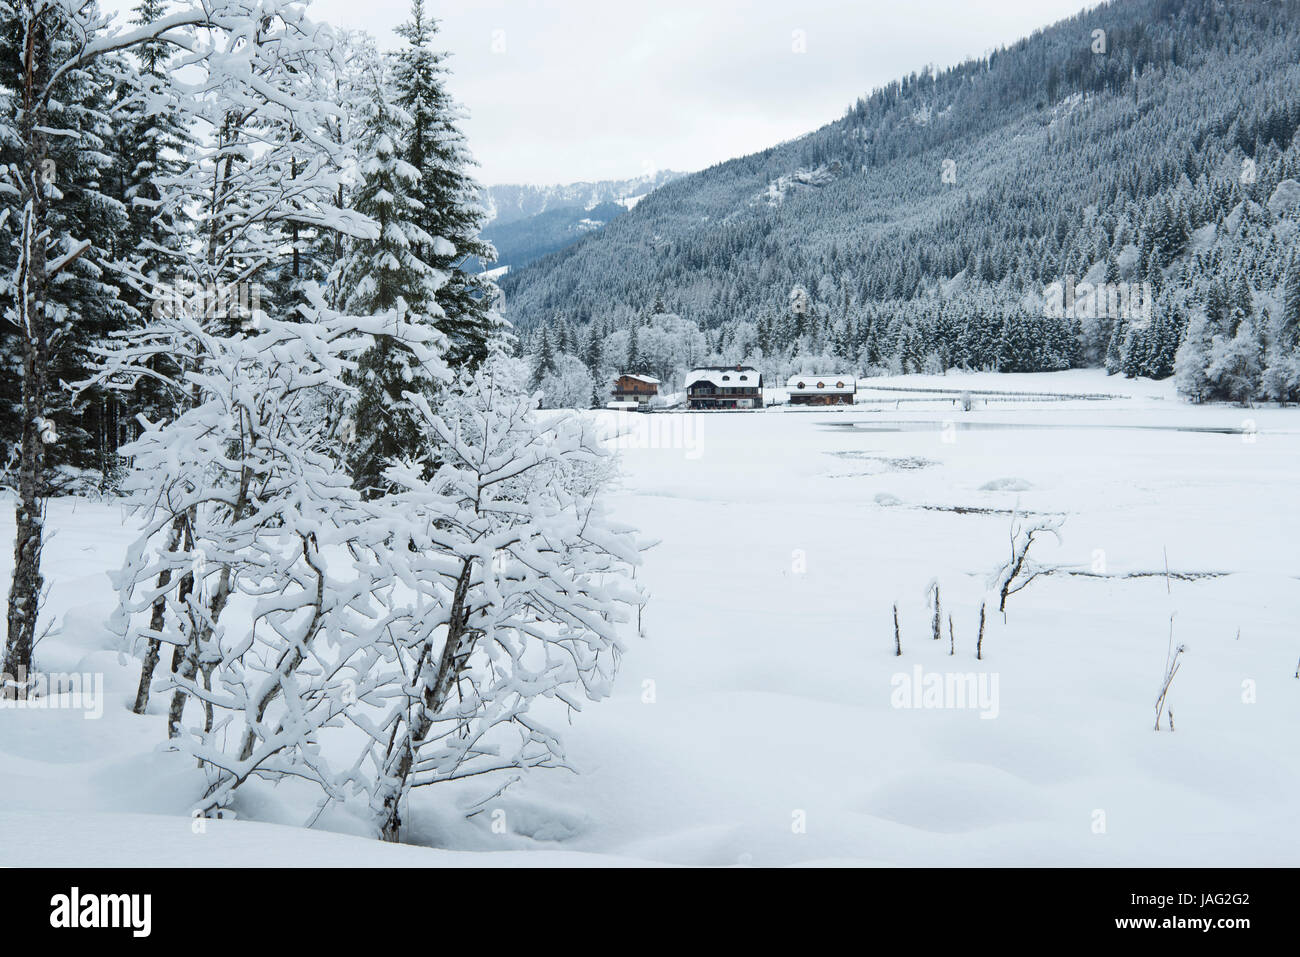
[[758, 720]]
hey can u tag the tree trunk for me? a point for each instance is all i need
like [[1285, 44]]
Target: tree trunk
[[433, 699], [25, 589], [154, 651], [201, 633], [180, 652]]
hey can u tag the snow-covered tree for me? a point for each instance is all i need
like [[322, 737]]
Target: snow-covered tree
[[568, 386], [82, 212], [1281, 377], [263, 499], [1288, 327], [52, 167], [634, 359], [246, 88], [1193, 357], [388, 273], [1236, 364], [521, 585], [450, 213], [544, 362]]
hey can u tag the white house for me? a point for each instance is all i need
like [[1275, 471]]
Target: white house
[[724, 387]]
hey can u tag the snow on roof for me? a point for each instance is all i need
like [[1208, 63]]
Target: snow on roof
[[640, 378], [743, 378], [813, 384]]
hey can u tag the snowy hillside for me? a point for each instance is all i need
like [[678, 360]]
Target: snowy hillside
[[1143, 153]]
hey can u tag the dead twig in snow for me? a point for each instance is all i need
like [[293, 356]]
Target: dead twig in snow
[[1173, 661], [1019, 569], [935, 627]]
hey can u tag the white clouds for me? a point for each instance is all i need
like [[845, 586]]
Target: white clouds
[[563, 90]]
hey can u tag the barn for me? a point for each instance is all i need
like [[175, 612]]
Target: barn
[[821, 389], [724, 387]]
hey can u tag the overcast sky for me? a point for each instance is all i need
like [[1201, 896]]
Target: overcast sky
[[567, 90]]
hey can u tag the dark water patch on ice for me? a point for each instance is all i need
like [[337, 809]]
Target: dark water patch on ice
[[888, 463], [980, 510], [1161, 573]]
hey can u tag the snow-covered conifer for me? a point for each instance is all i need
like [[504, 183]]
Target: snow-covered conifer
[[450, 213], [387, 273]]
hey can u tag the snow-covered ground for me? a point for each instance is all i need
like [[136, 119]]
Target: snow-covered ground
[[758, 721]]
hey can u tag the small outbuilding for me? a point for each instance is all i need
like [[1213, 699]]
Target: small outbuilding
[[821, 389]]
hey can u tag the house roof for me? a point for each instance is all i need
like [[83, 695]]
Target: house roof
[[640, 378], [821, 384], [729, 378]]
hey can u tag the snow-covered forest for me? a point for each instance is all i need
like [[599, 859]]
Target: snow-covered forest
[[1143, 154]]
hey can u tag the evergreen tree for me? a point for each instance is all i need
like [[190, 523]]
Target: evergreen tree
[[1133, 353], [1242, 303], [450, 216], [1115, 347], [544, 363], [1162, 336], [1288, 328], [385, 274], [83, 222], [595, 359], [1193, 357], [633, 352], [151, 141]]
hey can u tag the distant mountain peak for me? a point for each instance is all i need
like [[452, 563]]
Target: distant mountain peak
[[510, 202]]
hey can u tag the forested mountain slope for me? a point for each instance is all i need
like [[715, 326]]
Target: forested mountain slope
[[1147, 141], [522, 241]]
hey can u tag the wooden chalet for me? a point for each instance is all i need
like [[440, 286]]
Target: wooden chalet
[[635, 390]]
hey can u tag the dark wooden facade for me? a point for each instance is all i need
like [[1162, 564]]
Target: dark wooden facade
[[635, 388]]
